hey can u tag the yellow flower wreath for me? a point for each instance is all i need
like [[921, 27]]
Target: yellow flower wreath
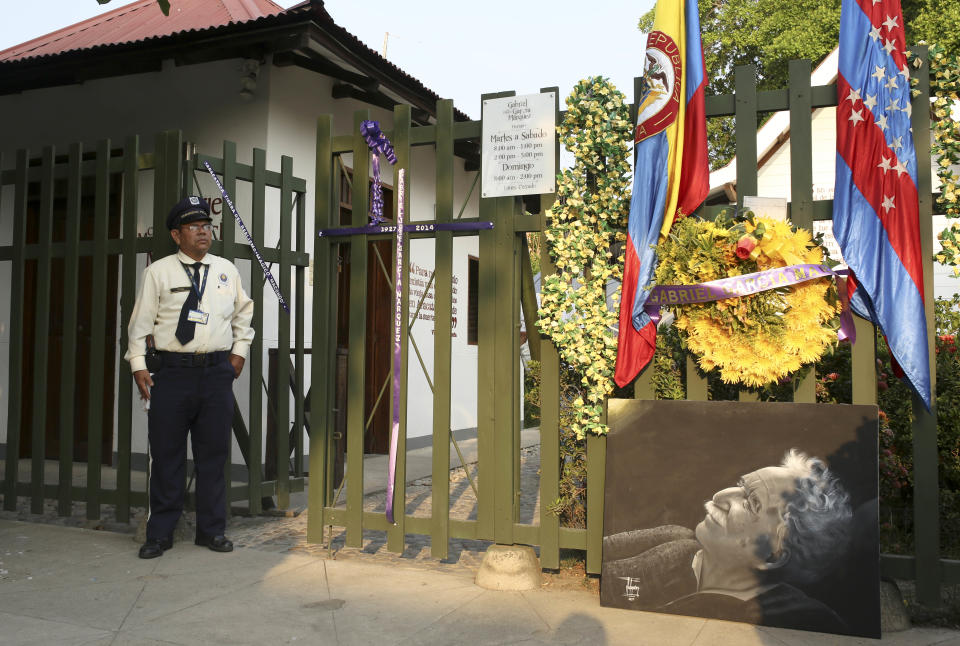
[[761, 338]]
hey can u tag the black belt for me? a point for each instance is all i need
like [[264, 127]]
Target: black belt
[[193, 359]]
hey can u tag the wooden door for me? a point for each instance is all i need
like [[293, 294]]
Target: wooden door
[[81, 379], [378, 353]]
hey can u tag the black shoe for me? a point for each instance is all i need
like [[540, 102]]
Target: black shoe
[[155, 547], [216, 543]]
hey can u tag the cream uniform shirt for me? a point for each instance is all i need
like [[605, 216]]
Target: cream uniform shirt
[[162, 294]]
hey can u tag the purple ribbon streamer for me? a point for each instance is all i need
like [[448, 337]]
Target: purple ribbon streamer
[[253, 246], [379, 145], [399, 314], [426, 227], [376, 194], [760, 281]]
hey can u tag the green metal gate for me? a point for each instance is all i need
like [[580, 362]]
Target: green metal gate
[[91, 177]]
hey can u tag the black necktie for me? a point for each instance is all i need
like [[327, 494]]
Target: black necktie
[[185, 327]]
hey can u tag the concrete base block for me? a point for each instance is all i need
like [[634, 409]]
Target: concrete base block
[[893, 613], [509, 567]]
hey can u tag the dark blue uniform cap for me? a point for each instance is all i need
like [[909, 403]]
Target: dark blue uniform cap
[[189, 209]]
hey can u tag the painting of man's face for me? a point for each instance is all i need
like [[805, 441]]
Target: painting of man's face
[[763, 513], [742, 522]]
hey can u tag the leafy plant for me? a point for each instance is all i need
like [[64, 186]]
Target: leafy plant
[[583, 227]]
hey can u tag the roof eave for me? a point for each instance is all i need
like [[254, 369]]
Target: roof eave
[[306, 28], [185, 48]]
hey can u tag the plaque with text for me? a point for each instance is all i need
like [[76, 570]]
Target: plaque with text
[[519, 145]]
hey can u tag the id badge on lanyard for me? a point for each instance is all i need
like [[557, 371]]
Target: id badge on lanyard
[[198, 315]]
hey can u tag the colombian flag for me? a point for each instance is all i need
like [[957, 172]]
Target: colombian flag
[[671, 174]]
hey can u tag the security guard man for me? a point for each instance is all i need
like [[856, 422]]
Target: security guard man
[[193, 305]]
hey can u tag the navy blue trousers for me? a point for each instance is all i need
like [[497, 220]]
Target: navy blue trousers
[[198, 400]]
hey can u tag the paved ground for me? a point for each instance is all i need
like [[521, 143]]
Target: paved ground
[[289, 534], [71, 586], [67, 580]]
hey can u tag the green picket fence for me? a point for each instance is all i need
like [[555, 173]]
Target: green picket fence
[[505, 288], [75, 231]]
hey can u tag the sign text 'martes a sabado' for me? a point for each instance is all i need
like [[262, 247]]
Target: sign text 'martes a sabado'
[[518, 145]]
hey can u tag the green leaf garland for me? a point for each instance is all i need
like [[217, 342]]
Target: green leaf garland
[[583, 229], [945, 148]]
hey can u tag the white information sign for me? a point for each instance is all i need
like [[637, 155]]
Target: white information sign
[[519, 145]]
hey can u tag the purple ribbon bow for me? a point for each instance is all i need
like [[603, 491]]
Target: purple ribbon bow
[[379, 145]]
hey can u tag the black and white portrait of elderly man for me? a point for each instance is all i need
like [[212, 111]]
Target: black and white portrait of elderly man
[[762, 542]]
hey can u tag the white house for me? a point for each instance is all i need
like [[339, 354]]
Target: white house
[[252, 73]]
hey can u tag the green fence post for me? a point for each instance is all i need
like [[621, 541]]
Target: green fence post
[[41, 330], [356, 372], [68, 368], [596, 483], [128, 288], [494, 477], [255, 421], [299, 413], [99, 414], [498, 379], [282, 395], [746, 133], [549, 398], [323, 331], [443, 311], [801, 180], [926, 512]]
